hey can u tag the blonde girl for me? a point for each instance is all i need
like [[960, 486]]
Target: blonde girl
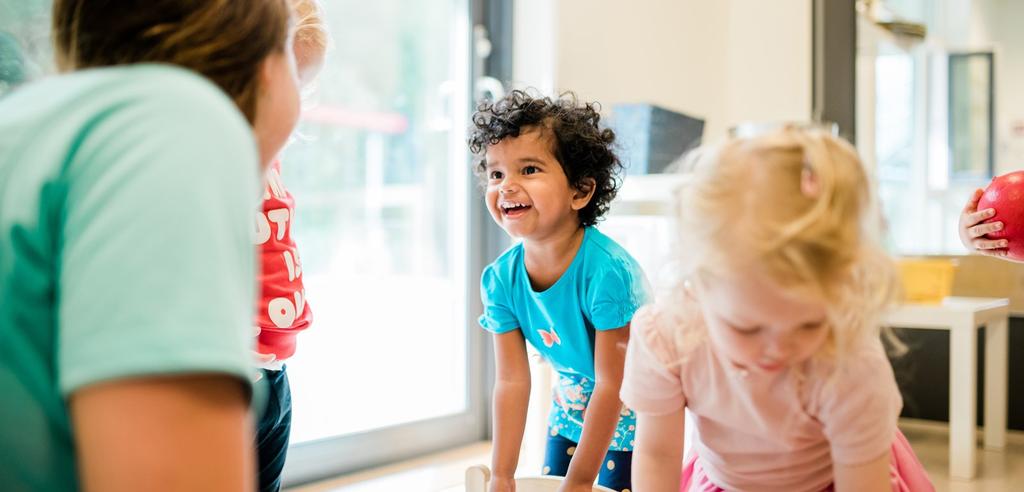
[[771, 337]]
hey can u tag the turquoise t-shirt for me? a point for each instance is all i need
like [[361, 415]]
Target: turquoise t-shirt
[[600, 290], [127, 197]]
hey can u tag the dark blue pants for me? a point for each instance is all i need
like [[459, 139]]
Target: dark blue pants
[[615, 471], [272, 430]]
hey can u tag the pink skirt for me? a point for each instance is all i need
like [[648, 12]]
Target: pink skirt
[[905, 472]]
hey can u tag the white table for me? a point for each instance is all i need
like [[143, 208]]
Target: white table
[[962, 316]]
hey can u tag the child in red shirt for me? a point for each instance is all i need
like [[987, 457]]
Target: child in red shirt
[[282, 311]]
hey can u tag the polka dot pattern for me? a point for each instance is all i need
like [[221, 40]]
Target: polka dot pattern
[[616, 469]]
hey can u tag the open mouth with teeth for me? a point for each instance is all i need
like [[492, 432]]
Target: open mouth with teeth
[[513, 209]]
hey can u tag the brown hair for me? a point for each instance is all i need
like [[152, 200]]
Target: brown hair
[[226, 41]]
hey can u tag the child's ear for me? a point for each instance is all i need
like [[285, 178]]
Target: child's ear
[[584, 192]]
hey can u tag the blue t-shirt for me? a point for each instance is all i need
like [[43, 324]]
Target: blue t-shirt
[[600, 290]]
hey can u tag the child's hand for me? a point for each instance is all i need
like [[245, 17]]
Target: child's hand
[[973, 231], [502, 484]]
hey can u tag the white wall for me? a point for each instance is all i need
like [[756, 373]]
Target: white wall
[[535, 34], [769, 58], [670, 53], [725, 60]]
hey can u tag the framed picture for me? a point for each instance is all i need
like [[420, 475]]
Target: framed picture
[[971, 116]]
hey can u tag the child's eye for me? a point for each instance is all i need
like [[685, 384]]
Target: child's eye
[[814, 326], [530, 170], [494, 175], [753, 330]]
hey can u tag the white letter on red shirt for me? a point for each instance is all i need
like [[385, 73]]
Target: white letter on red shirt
[[262, 228], [279, 216]]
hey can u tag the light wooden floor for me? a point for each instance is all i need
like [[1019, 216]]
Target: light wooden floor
[[438, 472], [443, 472], [997, 471]]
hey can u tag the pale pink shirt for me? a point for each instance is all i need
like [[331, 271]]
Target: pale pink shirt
[[758, 431]]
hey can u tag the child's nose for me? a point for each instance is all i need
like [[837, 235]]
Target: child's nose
[[508, 185], [778, 349]]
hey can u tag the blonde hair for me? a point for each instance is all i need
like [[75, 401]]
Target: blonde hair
[[795, 205], [311, 34], [224, 40]]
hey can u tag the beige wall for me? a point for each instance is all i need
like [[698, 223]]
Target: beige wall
[[769, 60], [726, 61]]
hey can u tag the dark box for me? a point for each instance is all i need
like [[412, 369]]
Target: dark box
[[650, 137]]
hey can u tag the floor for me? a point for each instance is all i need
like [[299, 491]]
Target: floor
[[997, 470], [438, 472], [443, 472]]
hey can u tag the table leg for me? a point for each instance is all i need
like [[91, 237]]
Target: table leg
[[963, 382], [996, 348]]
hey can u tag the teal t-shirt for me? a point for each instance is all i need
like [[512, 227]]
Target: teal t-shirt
[[126, 203], [600, 290]]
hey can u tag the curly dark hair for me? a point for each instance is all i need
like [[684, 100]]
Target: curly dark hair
[[582, 146]]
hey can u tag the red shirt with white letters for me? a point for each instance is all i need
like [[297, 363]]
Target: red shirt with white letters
[[282, 311]]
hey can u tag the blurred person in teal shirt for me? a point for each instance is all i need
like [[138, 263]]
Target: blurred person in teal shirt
[[128, 186]]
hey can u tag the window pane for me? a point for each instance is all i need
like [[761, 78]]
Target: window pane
[[970, 115], [894, 147], [379, 178]]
